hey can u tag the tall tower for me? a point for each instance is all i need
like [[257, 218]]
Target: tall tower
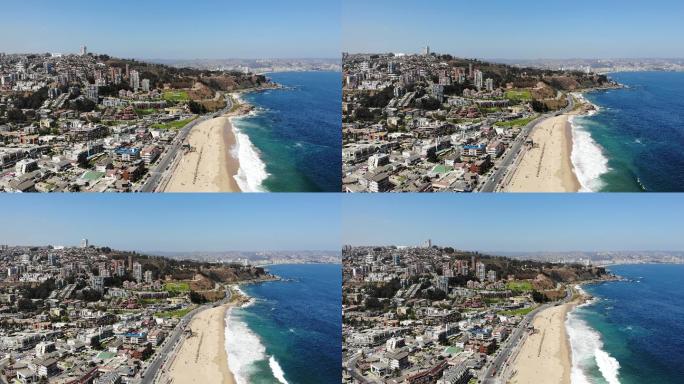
[[426, 50], [84, 50]]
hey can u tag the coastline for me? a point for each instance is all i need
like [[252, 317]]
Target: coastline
[[197, 169], [546, 166], [248, 346], [546, 354], [202, 357], [564, 157], [251, 171]]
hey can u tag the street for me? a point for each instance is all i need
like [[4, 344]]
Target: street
[[511, 155], [167, 158]]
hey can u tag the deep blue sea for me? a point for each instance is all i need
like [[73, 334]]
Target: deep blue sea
[[297, 135], [292, 333], [640, 133], [634, 331]]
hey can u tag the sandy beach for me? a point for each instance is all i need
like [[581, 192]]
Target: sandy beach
[[209, 166], [547, 166], [202, 357], [545, 356]]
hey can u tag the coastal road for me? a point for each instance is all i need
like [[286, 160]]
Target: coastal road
[[167, 350], [354, 372], [512, 154], [493, 372], [167, 158]]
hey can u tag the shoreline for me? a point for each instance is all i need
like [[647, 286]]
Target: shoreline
[[202, 357], [546, 354], [211, 142], [248, 345], [553, 162], [251, 172], [546, 166]]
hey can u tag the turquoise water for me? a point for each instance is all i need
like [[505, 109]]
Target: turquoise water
[[297, 132], [292, 333], [640, 131], [634, 331]]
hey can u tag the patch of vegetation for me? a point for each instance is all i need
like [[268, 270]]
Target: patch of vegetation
[[518, 95], [176, 96], [180, 287], [174, 314], [520, 286], [145, 112], [178, 124], [515, 123], [517, 312]]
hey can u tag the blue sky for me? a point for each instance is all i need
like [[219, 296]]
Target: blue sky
[[174, 29], [518, 222], [174, 222], [520, 29]]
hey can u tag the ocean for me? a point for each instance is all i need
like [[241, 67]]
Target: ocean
[[633, 331], [292, 143], [634, 141], [291, 332]]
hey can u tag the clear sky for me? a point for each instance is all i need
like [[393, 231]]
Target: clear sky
[[519, 29], [174, 222], [518, 222], [174, 29]]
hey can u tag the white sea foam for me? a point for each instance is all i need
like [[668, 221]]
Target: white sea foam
[[277, 370], [244, 348], [252, 172], [587, 157], [587, 352]]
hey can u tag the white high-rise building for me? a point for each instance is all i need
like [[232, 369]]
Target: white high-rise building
[[480, 271], [137, 272], [146, 85], [84, 50], [135, 80], [489, 84], [84, 243], [478, 79], [426, 50]]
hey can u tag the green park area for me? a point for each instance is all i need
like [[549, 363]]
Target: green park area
[[177, 124], [520, 286], [178, 313], [179, 287], [515, 123], [518, 94], [517, 312], [176, 96]]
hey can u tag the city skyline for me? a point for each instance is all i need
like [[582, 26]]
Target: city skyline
[[175, 222], [165, 30], [507, 30], [516, 223]]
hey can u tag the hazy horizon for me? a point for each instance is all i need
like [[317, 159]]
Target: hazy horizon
[[517, 222], [174, 29], [175, 222], [523, 29]]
